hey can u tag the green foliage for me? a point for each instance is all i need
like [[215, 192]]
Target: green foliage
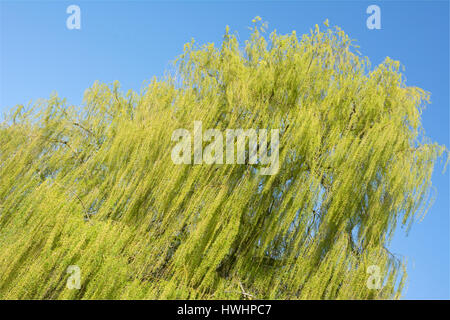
[[95, 186]]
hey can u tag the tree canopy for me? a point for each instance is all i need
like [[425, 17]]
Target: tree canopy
[[95, 186]]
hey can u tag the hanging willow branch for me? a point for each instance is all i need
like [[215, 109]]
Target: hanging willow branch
[[353, 164]]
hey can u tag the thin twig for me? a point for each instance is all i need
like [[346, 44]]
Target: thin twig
[[82, 127], [86, 213], [243, 291]]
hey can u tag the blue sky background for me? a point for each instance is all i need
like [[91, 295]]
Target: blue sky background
[[132, 41]]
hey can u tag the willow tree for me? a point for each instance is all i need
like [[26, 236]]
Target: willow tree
[[94, 185]]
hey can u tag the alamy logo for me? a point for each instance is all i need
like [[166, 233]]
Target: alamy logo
[[74, 280], [258, 151], [374, 281]]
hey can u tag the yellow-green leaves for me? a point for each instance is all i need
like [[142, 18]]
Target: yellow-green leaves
[[94, 185]]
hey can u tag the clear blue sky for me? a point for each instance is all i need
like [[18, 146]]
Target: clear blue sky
[[132, 41]]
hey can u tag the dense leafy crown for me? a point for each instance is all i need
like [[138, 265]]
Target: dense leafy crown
[[95, 186]]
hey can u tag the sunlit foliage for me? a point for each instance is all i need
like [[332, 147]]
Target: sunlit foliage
[[95, 186]]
